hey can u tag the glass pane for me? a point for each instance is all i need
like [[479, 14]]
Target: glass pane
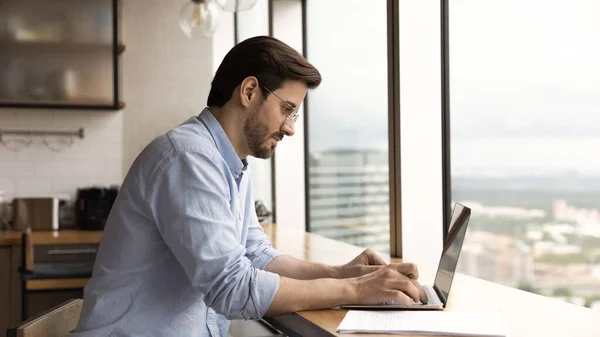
[[525, 115], [347, 121], [250, 23], [253, 22], [56, 52]]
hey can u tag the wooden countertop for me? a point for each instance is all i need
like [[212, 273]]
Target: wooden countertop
[[11, 237], [525, 314]]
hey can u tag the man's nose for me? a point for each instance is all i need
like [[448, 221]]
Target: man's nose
[[288, 128]]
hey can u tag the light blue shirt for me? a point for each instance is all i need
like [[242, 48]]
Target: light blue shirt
[[182, 250]]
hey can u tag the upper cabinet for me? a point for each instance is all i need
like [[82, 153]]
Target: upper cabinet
[[59, 54]]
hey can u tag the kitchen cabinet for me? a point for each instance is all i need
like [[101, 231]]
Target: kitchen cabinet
[[10, 285], [59, 54], [4, 289]]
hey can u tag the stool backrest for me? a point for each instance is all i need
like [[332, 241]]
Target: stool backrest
[[56, 322]]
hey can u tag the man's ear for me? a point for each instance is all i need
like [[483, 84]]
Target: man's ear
[[249, 91]]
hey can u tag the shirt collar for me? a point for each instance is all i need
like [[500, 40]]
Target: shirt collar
[[236, 166]]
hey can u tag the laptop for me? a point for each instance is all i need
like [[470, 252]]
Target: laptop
[[437, 294]]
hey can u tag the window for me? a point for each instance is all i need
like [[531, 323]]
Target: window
[[250, 23], [524, 143], [253, 22], [347, 160]]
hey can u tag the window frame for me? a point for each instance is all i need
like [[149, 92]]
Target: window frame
[[394, 157], [445, 87], [394, 114], [236, 39]]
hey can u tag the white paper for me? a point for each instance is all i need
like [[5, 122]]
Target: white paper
[[451, 323]]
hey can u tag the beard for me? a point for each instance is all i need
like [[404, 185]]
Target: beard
[[256, 134]]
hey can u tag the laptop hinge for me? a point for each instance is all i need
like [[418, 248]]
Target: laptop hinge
[[440, 295]]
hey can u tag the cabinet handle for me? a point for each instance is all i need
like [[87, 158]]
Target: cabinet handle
[[72, 251]]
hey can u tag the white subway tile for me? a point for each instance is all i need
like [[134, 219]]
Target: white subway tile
[[34, 119], [104, 119], [113, 169], [36, 152], [16, 143], [17, 169], [50, 169], [6, 155], [68, 120], [72, 168], [78, 151], [37, 170], [110, 151], [8, 119], [107, 181], [69, 185], [33, 187], [8, 186]]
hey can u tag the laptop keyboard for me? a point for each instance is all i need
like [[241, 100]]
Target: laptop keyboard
[[431, 297]]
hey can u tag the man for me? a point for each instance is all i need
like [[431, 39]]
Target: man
[[182, 251]]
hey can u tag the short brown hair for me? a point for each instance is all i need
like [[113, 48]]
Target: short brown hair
[[269, 60]]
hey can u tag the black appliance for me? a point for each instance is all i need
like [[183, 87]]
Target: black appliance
[[93, 205]]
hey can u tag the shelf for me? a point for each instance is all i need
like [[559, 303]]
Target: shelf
[[101, 105], [59, 45]]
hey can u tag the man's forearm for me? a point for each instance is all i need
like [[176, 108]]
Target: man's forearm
[[297, 295], [289, 267], [389, 283]]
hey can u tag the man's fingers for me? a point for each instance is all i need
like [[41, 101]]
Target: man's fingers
[[402, 298], [373, 258], [407, 286], [422, 295], [408, 269]]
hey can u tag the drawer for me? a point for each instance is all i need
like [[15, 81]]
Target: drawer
[[65, 253]]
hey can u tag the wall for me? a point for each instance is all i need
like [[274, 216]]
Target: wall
[[165, 80], [222, 41], [36, 170], [166, 76]]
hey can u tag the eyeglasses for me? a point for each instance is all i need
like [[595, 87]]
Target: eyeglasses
[[293, 115]]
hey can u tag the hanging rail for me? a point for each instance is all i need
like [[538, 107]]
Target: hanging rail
[[78, 133]]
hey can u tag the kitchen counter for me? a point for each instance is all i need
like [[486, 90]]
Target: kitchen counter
[[55, 291], [9, 238], [12, 237]]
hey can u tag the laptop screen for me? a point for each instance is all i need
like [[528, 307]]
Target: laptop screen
[[451, 250]]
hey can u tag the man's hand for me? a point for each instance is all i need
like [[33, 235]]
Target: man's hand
[[367, 262], [367, 258], [387, 283], [394, 282]]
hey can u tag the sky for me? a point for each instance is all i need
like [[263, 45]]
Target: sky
[[524, 83], [350, 50]]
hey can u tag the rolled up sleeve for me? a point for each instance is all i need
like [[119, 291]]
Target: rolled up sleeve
[[258, 248], [191, 204]]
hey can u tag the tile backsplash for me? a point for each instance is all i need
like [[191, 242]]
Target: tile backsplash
[[37, 170]]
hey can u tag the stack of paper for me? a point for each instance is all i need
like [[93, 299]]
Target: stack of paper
[[449, 323]]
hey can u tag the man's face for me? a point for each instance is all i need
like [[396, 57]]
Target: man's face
[[270, 120]]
